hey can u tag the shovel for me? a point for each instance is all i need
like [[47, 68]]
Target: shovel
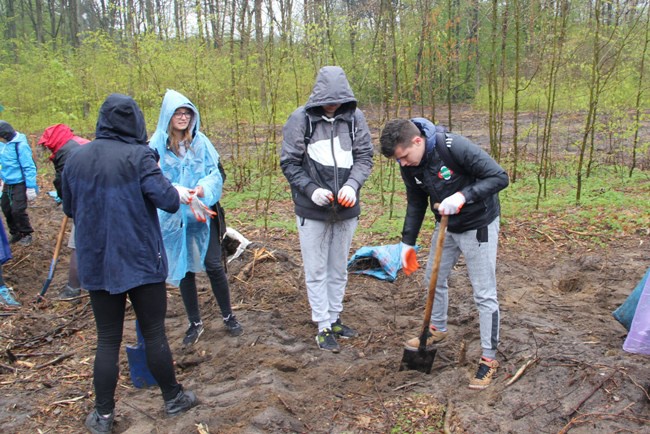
[[140, 374], [55, 258], [422, 358]]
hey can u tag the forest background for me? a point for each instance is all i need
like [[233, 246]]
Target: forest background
[[574, 65]]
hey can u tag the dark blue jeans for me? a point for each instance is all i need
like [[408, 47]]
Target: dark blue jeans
[[150, 306]]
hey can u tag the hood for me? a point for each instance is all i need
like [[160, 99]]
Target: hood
[[331, 87], [171, 102], [7, 132], [121, 119], [428, 130], [55, 137]]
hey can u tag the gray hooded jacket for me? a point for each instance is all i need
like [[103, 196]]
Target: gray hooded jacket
[[334, 157]]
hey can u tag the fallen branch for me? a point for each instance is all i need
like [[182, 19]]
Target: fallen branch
[[448, 410], [289, 409], [521, 371], [54, 361], [69, 401], [588, 395], [404, 386], [8, 368], [583, 418]]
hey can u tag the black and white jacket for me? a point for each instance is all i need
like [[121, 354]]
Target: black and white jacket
[[338, 151]]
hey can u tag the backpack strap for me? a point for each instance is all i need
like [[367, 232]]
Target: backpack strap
[[443, 143]]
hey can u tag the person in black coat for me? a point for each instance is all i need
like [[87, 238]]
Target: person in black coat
[[111, 188], [465, 182]]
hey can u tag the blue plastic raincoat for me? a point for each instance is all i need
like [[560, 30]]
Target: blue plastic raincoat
[[186, 239]]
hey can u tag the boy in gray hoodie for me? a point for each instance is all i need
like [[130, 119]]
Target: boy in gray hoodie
[[326, 157]]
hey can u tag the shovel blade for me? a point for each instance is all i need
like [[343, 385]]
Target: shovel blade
[[141, 377], [418, 360]]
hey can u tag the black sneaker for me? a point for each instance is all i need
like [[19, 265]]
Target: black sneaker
[[193, 333], [68, 293], [25, 240], [326, 341], [98, 424], [343, 331], [233, 325], [15, 238], [181, 403]]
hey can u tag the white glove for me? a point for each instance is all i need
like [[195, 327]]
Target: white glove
[[347, 196], [201, 212], [31, 194], [452, 204], [184, 194], [322, 197]]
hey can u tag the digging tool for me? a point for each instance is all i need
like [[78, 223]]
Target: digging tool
[[422, 358], [141, 376], [55, 258]]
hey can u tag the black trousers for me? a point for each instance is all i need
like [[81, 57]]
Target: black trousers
[[14, 207], [216, 273], [150, 306]]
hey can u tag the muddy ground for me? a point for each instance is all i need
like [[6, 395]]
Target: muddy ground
[[556, 289]]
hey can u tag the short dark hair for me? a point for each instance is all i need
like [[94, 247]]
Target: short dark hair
[[397, 132]]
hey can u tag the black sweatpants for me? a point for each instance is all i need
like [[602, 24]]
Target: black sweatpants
[[150, 306], [14, 207]]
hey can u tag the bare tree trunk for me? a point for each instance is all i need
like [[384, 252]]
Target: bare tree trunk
[[558, 30], [259, 42], [73, 20], [639, 93]]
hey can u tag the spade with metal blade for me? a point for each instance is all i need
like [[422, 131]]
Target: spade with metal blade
[[422, 358]]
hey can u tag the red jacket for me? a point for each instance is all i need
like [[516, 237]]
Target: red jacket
[[56, 136]]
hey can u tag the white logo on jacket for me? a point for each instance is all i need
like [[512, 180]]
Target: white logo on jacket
[[321, 152]]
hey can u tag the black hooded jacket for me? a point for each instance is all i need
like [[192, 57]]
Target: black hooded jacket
[[111, 188]]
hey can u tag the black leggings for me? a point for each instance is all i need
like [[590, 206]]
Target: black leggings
[[150, 306], [218, 279]]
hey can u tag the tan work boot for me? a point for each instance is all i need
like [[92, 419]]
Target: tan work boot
[[486, 370], [433, 336]]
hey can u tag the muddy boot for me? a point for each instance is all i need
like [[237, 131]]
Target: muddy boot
[[98, 424], [181, 403], [233, 326]]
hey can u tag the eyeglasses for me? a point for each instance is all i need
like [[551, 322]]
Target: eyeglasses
[[180, 115]]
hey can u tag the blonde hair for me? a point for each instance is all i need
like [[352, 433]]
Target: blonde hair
[[173, 141]]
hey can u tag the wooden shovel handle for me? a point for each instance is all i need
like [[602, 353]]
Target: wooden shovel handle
[[442, 229]]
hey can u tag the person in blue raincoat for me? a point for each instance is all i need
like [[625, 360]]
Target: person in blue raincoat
[[19, 176], [188, 159]]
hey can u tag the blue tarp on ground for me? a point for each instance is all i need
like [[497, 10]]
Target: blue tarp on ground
[[625, 312], [382, 262], [638, 339]]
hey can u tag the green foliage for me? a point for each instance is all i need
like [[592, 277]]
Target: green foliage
[[612, 203]]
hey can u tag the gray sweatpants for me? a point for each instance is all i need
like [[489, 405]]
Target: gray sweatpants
[[325, 247], [480, 259]]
